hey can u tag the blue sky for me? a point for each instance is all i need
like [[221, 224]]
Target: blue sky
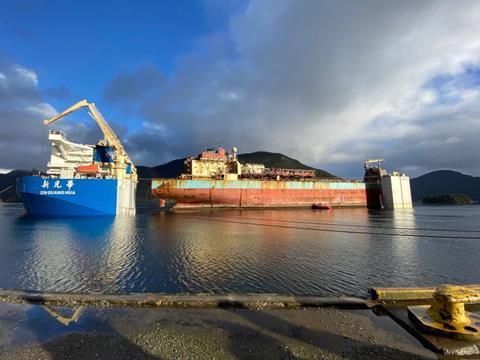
[[329, 83], [65, 40], [76, 47]]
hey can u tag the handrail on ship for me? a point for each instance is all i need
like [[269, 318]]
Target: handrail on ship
[[302, 180]]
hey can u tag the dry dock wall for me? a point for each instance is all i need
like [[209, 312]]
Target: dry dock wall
[[396, 191]]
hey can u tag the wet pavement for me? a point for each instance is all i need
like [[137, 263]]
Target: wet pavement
[[31, 332]]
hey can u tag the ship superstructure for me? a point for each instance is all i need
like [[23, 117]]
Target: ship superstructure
[[82, 179], [66, 156], [219, 164]]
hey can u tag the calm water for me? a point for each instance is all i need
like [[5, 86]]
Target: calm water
[[282, 251]]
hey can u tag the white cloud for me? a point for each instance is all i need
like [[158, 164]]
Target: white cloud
[[427, 97], [452, 140], [228, 95], [28, 75], [158, 127], [42, 110]]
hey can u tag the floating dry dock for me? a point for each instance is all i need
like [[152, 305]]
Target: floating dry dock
[[203, 193], [215, 179]]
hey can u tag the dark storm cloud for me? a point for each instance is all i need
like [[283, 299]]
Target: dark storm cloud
[[135, 86], [21, 111], [447, 140], [330, 83]]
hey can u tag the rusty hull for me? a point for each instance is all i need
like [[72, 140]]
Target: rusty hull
[[201, 193]]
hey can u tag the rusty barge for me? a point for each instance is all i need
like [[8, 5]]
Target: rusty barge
[[216, 179]]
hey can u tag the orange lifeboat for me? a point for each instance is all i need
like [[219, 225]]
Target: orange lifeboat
[[88, 169]]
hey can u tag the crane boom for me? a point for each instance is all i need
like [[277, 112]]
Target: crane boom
[[110, 136]]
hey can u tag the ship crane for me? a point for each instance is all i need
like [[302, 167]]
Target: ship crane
[[111, 139]]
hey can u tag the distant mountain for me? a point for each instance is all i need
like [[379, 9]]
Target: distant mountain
[[171, 169], [276, 160], [444, 182], [174, 168], [8, 183]]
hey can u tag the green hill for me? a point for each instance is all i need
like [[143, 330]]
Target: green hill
[[457, 199], [445, 182], [8, 183], [277, 160], [174, 168]]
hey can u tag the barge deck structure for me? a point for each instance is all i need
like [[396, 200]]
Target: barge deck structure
[[216, 179]]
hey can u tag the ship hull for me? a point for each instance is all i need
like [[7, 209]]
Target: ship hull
[[75, 197], [264, 193]]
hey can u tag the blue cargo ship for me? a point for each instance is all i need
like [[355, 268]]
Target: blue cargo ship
[[82, 180], [68, 197]]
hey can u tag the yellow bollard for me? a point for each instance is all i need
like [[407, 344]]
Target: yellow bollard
[[447, 316]]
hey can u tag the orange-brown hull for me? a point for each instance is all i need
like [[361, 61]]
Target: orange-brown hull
[[258, 193]]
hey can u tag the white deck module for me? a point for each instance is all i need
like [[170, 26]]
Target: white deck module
[[66, 155]]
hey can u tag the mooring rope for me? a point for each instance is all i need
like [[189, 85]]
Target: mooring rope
[[335, 230], [346, 224]]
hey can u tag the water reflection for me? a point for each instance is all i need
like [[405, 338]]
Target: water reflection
[[397, 260], [404, 254], [78, 254], [54, 256], [344, 251], [121, 261]]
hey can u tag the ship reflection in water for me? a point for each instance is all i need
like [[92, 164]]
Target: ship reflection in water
[[343, 251], [78, 254]]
